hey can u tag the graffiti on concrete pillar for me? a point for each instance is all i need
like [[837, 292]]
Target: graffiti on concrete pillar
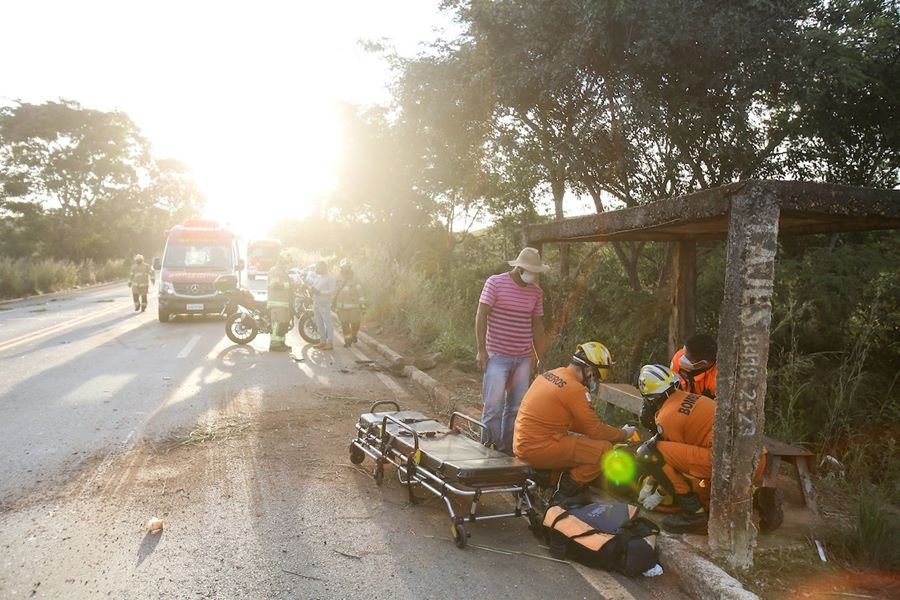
[[748, 370], [754, 315]]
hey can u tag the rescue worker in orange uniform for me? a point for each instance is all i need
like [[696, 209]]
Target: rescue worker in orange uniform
[[683, 446], [684, 423], [555, 408], [696, 365]]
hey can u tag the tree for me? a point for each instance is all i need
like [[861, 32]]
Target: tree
[[80, 183]]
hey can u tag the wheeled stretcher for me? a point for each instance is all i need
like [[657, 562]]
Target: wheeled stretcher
[[444, 461]]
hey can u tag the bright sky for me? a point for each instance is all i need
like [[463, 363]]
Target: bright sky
[[243, 92]]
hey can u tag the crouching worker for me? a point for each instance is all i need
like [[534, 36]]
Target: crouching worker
[[555, 408], [683, 448]]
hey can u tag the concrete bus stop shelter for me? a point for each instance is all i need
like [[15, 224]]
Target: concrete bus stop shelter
[[749, 216]]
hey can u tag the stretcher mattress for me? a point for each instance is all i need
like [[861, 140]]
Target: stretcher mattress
[[448, 453]]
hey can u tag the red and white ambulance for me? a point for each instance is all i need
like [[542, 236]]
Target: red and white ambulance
[[196, 253]]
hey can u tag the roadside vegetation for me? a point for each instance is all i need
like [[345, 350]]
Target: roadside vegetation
[[26, 277], [80, 194], [536, 111], [537, 108]]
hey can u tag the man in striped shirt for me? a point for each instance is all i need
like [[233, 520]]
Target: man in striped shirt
[[510, 334]]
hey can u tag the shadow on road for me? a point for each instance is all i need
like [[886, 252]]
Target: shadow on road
[[148, 545]]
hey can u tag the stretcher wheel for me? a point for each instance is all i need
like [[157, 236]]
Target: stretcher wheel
[[379, 475], [460, 537], [357, 456]]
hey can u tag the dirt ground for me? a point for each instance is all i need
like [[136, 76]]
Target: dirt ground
[[260, 501]]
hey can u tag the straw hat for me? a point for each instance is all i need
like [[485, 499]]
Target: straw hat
[[530, 260]]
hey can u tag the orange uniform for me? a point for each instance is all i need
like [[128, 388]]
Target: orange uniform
[[702, 383], [685, 422], [556, 404]]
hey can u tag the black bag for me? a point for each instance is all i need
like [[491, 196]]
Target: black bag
[[603, 535]]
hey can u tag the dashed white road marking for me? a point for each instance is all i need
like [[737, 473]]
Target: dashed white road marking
[[189, 346]]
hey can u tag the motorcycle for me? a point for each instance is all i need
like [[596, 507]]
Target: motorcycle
[[246, 315], [302, 305]]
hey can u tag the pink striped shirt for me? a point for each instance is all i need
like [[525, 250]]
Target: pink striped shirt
[[509, 329]]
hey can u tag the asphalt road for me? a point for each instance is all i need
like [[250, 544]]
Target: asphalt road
[[109, 417]]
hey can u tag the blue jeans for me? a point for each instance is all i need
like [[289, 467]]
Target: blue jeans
[[324, 323], [506, 379]]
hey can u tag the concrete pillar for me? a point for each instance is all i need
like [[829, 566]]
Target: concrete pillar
[[684, 293], [741, 386]]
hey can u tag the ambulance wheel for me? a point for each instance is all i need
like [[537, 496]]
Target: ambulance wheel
[[535, 524], [164, 315], [460, 537], [356, 455], [379, 475]]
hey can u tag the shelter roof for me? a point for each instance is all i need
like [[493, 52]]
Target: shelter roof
[[804, 208]]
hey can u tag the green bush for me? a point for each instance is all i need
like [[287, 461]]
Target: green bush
[[870, 537], [25, 277]]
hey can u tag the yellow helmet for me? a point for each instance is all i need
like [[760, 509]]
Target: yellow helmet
[[594, 354], [657, 380], [285, 257], [138, 258]]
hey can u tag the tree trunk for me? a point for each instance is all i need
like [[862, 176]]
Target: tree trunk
[[558, 186]]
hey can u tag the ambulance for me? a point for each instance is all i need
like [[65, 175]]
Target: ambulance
[[196, 253]]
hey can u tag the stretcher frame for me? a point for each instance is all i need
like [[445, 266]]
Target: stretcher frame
[[376, 441]]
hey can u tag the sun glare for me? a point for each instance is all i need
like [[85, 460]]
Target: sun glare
[[271, 167], [244, 95]]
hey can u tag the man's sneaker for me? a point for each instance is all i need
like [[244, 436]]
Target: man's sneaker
[[143, 307], [326, 347], [137, 307], [279, 348], [767, 500]]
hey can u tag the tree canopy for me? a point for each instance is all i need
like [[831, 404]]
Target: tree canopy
[[79, 183]]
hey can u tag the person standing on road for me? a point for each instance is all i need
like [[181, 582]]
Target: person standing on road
[[349, 302], [510, 334], [279, 302], [139, 281], [324, 286]]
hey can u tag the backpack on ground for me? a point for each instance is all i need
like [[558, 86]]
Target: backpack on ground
[[604, 535]]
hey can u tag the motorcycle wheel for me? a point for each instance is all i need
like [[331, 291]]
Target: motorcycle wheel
[[241, 328], [307, 327]]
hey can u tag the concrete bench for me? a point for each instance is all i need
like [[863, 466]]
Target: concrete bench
[[628, 398]]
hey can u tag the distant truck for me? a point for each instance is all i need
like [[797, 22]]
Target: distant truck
[[261, 256], [196, 253]]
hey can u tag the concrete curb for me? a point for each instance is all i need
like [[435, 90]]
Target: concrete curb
[[87, 288], [696, 575], [438, 393]]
